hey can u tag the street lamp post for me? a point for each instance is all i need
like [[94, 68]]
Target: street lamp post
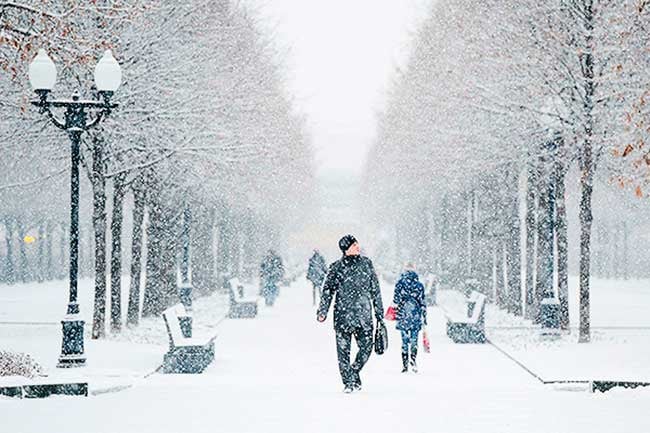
[[42, 76]]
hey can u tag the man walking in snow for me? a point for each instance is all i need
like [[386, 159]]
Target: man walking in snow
[[316, 273], [352, 279]]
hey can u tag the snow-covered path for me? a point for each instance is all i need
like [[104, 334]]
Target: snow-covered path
[[278, 373]]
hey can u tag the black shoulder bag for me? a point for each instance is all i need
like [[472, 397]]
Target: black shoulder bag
[[381, 338]]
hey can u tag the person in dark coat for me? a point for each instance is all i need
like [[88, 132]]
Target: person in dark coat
[[411, 313], [352, 279], [316, 273], [271, 273]]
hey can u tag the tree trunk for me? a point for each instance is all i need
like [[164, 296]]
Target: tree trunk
[[48, 252], [625, 263], [139, 202], [615, 248], [235, 248], [221, 254], [85, 251], [483, 246], [23, 267], [544, 248], [9, 260], [499, 292], [81, 270], [90, 256], [250, 241], [63, 266], [531, 233], [562, 244], [225, 244], [253, 258], [152, 304], [587, 177], [40, 266], [160, 285], [202, 240], [99, 226], [445, 237], [116, 252], [186, 239], [471, 238], [586, 218], [423, 234], [513, 247]]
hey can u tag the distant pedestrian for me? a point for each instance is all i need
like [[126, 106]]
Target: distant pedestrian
[[271, 273], [352, 279], [411, 308], [316, 273]]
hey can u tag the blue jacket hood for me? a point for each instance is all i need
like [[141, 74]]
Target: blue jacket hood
[[409, 275]]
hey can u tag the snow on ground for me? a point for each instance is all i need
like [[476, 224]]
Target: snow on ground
[[30, 317], [620, 347], [278, 372]]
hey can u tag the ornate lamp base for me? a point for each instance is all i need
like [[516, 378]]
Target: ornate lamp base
[[72, 348]]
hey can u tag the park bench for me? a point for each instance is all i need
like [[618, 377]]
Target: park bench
[[241, 306], [186, 354], [41, 387], [470, 326]]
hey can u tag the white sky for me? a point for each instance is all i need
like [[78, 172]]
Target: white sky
[[341, 57]]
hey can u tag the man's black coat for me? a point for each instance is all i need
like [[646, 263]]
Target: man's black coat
[[352, 279]]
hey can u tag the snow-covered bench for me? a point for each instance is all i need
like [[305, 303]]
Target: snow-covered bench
[[185, 355], [240, 306], [470, 326], [40, 387]]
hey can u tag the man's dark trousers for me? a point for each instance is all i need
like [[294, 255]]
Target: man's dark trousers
[[350, 373]]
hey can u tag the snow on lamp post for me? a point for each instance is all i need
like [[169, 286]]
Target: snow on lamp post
[[42, 77]]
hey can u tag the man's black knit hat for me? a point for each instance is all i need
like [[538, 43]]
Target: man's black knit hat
[[346, 242]]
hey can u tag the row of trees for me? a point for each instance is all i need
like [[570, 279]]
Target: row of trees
[[205, 129], [497, 105]]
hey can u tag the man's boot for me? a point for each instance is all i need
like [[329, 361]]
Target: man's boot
[[414, 354], [405, 362], [357, 380]]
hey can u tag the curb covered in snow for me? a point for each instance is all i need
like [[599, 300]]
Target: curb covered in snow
[[592, 385]]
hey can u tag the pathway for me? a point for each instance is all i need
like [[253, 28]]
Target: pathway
[[278, 373]]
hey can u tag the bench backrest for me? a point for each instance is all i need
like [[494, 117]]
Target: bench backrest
[[173, 325], [471, 303], [235, 288], [478, 310]]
